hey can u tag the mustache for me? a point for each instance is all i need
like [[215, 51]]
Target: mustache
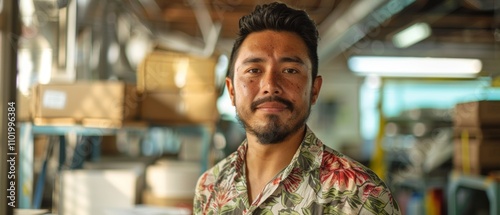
[[287, 103]]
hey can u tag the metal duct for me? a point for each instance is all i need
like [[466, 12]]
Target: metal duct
[[355, 23]]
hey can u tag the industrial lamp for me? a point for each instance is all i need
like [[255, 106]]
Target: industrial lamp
[[415, 66]]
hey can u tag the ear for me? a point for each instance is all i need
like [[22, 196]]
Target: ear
[[230, 89], [316, 87]]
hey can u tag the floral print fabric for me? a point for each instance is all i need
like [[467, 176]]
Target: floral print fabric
[[318, 180]]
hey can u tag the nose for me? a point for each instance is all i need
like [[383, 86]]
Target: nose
[[271, 83]]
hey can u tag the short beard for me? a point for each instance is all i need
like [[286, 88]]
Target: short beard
[[275, 131]]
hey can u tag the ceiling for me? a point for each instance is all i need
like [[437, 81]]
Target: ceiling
[[180, 15], [214, 21], [452, 21], [466, 21], [459, 28]]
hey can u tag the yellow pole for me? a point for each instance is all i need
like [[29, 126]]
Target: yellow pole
[[377, 163]]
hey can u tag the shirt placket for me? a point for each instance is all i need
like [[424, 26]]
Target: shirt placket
[[268, 190], [271, 187]]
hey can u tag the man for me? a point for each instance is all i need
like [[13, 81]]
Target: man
[[282, 167]]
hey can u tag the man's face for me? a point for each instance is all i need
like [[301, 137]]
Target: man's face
[[272, 88]]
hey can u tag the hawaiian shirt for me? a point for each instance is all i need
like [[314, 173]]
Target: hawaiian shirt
[[318, 180]]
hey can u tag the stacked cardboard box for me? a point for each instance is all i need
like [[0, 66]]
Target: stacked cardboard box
[[171, 183], [177, 88], [477, 137], [96, 191], [103, 104], [113, 183]]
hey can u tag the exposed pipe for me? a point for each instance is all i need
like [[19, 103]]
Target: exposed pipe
[[334, 16], [209, 30], [355, 23], [182, 42], [336, 28]]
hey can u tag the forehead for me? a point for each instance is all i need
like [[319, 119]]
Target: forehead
[[273, 44]]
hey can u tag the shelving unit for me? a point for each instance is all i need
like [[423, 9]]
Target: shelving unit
[[30, 197]]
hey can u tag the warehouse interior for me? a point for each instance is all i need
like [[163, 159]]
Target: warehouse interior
[[121, 104]]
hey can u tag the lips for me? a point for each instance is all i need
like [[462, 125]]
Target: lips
[[272, 106]]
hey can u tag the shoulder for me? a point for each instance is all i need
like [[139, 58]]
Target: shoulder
[[343, 176], [335, 166], [220, 176], [219, 171]]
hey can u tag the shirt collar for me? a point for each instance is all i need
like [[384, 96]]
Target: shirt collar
[[307, 157]]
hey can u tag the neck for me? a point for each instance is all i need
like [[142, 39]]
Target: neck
[[266, 160]]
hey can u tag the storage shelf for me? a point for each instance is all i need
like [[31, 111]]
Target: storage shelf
[[83, 130], [30, 197]]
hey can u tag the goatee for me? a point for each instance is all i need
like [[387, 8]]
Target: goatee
[[275, 131]]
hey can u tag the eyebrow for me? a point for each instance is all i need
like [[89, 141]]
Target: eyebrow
[[252, 60], [292, 59]]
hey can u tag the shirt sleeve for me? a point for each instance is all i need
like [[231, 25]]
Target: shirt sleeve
[[379, 202], [200, 198]]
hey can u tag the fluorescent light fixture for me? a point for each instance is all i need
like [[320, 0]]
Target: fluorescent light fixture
[[411, 35], [415, 66]]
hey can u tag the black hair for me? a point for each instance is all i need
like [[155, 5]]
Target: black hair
[[278, 17]]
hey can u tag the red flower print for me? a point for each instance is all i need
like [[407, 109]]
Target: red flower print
[[203, 184], [292, 182], [276, 180], [341, 173], [371, 190], [224, 195], [223, 198]]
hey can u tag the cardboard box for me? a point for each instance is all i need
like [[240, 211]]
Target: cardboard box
[[171, 71], [91, 192], [476, 156], [477, 114], [85, 100], [173, 179], [180, 108], [137, 166]]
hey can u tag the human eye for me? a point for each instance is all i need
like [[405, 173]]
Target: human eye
[[253, 70], [290, 71]]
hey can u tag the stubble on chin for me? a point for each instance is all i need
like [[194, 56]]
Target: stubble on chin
[[274, 130], [271, 133]]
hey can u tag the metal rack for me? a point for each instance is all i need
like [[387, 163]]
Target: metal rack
[[30, 197]]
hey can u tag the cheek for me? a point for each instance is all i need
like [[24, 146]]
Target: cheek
[[301, 89], [243, 89]]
